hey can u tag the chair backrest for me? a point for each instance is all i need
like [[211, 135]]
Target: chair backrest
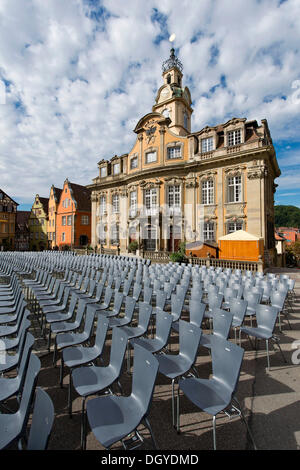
[[163, 326], [23, 364], [161, 298], [189, 337], [145, 311], [118, 300], [101, 331], [215, 301], [42, 421], [129, 307], [108, 295], [33, 369], [148, 294], [227, 360], [137, 289], [222, 321], [145, 368], [117, 351], [266, 316], [252, 298], [197, 310], [238, 309]]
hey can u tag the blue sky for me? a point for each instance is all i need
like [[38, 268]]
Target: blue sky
[[78, 76]]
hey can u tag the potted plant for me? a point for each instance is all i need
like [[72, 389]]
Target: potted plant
[[133, 246]]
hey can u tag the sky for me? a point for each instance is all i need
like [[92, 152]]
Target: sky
[[76, 76]]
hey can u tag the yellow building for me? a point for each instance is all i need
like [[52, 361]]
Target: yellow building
[[176, 185], [8, 210], [38, 224], [54, 198]]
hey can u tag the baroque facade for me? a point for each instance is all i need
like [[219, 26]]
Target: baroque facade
[[38, 224], [176, 185]]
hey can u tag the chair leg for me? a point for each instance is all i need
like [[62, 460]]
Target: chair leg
[[61, 372], [178, 415], [214, 432], [70, 394], [275, 339], [267, 348], [83, 425], [151, 433], [173, 405]]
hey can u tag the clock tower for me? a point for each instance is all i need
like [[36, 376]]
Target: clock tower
[[172, 100]]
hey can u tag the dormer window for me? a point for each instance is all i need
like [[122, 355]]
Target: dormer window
[[116, 168], [151, 157], [207, 145], [234, 137], [174, 152], [103, 171]]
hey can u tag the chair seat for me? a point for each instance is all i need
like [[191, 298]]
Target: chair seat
[[152, 345], [207, 394], [12, 424], [258, 332], [112, 418], [56, 317], [173, 365], [61, 327], [90, 380], [9, 387], [68, 339], [79, 355]]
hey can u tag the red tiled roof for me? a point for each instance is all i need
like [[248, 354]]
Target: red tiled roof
[[82, 196]]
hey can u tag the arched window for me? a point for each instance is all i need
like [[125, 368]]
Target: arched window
[[168, 78], [149, 237]]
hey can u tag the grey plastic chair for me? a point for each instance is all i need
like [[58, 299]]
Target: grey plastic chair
[[75, 356], [216, 394], [42, 421], [14, 385], [117, 305], [13, 360], [278, 301], [64, 340], [162, 334], [174, 366], [222, 321], [13, 426], [106, 301], [128, 314], [266, 316], [94, 379], [237, 308], [113, 418], [145, 311], [58, 316]]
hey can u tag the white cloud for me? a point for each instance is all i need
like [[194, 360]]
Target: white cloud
[[77, 86]]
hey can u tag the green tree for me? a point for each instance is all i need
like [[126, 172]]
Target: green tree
[[287, 216]]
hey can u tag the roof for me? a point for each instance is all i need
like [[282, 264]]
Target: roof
[[22, 217], [57, 192], [279, 237], [82, 196], [199, 245], [240, 235], [1, 191], [44, 201]]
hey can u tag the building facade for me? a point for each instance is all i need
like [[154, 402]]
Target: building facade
[[8, 211], [73, 219], [38, 224], [54, 199], [22, 238], [176, 185]]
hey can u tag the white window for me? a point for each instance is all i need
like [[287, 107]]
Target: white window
[[174, 152], [174, 196], [53, 238], [116, 168], [151, 157], [209, 231], [84, 220], [235, 188], [234, 226], [103, 171], [150, 201], [234, 137], [208, 191], [102, 234], [207, 145], [63, 220], [115, 234], [50, 235], [133, 203], [102, 205], [63, 237], [115, 203], [69, 220], [134, 163]]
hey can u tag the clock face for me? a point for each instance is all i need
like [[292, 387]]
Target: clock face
[[165, 93]]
